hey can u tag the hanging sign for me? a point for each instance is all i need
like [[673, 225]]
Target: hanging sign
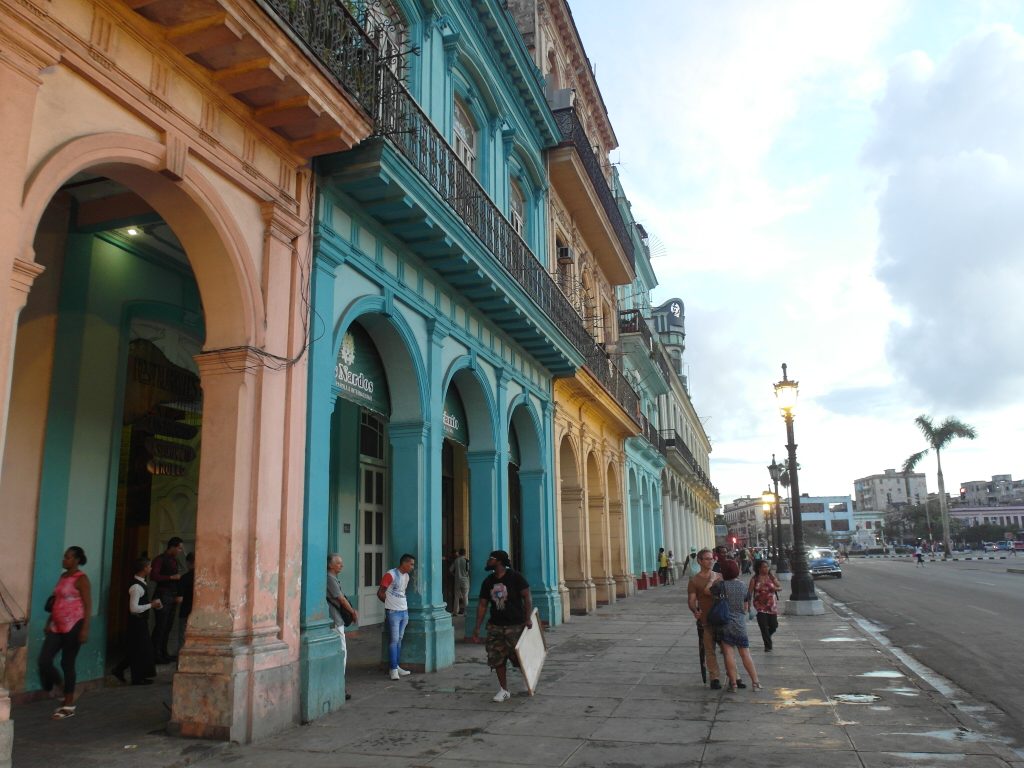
[[359, 372], [455, 428]]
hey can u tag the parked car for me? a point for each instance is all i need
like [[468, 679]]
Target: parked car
[[822, 562]]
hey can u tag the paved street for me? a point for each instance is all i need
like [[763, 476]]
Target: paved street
[[621, 688], [963, 619]]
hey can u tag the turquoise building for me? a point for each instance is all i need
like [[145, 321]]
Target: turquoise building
[[644, 367], [436, 331]]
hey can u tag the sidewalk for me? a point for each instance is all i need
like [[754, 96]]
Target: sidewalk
[[620, 688]]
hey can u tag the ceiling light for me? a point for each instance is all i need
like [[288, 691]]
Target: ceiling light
[[133, 231]]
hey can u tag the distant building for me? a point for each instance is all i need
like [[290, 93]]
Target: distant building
[[1001, 490], [889, 489], [1010, 518], [868, 527], [745, 519], [829, 515]]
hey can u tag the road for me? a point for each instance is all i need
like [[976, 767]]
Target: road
[[964, 620]]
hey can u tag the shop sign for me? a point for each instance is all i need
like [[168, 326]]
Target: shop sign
[[359, 372], [454, 420]]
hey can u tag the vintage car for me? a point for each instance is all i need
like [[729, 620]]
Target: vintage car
[[822, 561]]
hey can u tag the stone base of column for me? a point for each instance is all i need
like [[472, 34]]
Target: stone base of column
[[605, 586], [429, 641], [582, 596], [642, 582], [804, 607], [625, 585], [236, 687], [548, 603], [321, 672], [563, 596]]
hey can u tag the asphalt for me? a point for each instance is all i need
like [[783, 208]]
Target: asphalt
[[621, 688]]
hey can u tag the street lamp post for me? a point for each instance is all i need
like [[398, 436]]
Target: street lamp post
[[803, 600], [781, 561]]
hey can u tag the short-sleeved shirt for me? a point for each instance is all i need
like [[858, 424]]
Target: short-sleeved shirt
[[334, 595], [505, 597], [663, 560], [696, 585], [460, 567], [395, 583]]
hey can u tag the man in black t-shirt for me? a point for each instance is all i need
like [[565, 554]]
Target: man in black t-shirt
[[507, 594]]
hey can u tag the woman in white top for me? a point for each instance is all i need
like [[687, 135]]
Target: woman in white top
[[138, 647]]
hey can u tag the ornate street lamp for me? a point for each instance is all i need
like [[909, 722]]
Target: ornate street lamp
[[803, 600], [781, 561]]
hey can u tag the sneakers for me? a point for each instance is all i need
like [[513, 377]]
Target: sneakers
[[501, 695], [715, 685], [394, 675], [402, 672]]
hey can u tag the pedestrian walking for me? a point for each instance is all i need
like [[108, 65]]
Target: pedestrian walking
[[341, 611], [733, 636], [391, 592], [700, 602], [138, 649], [721, 555], [919, 556], [764, 594], [459, 570], [166, 574], [691, 565], [67, 629], [744, 559], [662, 566], [671, 568], [507, 594]]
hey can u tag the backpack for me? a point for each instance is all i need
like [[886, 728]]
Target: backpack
[[719, 614]]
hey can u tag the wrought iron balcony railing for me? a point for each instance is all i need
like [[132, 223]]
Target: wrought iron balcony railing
[[651, 434], [336, 40], [572, 133], [673, 440], [633, 321]]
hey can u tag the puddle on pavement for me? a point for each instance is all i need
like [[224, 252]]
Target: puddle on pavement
[[855, 698], [790, 699], [930, 757], [881, 709], [904, 691], [840, 639], [882, 673], [951, 735]]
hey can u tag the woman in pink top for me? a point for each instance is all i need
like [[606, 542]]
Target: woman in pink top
[[67, 629]]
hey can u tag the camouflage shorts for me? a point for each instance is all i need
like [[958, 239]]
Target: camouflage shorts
[[501, 644]]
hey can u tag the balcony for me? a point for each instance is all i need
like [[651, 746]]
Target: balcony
[[674, 441], [633, 323], [651, 434], [308, 76], [576, 174]]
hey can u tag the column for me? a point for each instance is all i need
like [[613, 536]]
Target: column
[[538, 566], [485, 524]]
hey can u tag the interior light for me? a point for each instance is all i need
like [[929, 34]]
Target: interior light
[[133, 231]]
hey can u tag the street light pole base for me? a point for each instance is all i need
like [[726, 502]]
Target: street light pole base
[[804, 607]]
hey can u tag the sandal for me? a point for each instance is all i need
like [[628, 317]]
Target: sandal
[[756, 686], [732, 687], [63, 713]]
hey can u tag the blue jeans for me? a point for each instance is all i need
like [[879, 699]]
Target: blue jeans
[[397, 622]]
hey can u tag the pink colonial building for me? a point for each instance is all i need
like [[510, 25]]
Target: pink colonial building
[[154, 218]]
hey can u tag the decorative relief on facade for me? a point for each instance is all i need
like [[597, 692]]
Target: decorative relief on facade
[[102, 39], [160, 84]]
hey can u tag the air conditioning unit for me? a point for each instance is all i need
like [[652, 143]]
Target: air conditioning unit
[[564, 254]]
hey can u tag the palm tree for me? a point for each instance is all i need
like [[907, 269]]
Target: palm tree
[[937, 439]]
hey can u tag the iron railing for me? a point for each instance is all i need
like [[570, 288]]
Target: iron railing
[[633, 321], [673, 440], [651, 434], [572, 133], [335, 39], [327, 30]]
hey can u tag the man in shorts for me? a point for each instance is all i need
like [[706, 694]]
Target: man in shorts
[[507, 594]]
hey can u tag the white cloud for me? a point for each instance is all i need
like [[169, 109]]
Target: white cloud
[[951, 226]]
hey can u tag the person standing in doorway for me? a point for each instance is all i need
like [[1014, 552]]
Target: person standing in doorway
[[67, 630], [138, 647], [507, 594], [391, 592], [340, 609], [459, 570], [165, 573]]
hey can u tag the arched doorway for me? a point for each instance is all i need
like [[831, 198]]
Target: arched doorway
[[128, 342], [618, 534]]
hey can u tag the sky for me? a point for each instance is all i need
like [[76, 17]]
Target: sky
[[838, 186]]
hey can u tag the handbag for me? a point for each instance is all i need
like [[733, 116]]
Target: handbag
[[719, 614], [346, 616], [49, 603]]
